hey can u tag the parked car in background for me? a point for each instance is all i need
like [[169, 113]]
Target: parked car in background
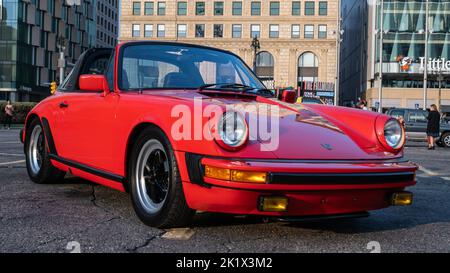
[[416, 125]]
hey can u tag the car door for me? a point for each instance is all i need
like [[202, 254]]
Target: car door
[[417, 124], [87, 121]]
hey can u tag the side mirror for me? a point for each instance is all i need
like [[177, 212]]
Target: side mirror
[[93, 83]]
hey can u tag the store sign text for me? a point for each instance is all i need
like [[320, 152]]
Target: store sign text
[[435, 65]]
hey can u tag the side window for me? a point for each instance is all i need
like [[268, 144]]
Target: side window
[[397, 113], [110, 72], [418, 117]]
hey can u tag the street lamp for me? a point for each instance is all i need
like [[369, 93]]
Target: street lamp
[[440, 79], [61, 61], [256, 46], [380, 72]]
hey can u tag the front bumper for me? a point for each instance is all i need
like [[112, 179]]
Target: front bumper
[[312, 187]]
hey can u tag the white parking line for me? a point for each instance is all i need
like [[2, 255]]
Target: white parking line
[[427, 171], [6, 154], [12, 162], [446, 178]]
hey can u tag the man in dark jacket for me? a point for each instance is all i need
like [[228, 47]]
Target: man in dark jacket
[[433, 130]]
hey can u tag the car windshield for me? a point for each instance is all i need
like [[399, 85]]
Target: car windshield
[[172, 66]]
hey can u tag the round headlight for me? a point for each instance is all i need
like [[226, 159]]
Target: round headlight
[[232, 129], [393, 133]]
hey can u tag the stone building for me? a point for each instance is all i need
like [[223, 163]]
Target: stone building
[[297, 38]]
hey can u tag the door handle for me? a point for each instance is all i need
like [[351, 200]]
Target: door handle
[[63, 104]]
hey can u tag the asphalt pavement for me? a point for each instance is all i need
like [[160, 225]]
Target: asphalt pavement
[[78, 216]]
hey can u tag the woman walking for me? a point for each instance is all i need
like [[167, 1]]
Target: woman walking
[[433, 130], [9, 113]]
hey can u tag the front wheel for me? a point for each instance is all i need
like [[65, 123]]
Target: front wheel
[[445, 140], [39, 167], [156, 188]]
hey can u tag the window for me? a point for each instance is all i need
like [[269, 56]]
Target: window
[[161, 8], [397, 113], [256, 8], [181, 31], [148, 31], [218, 31], [309, 8], [148, 8], [296, 8], [145, 66], [295, 31], [265, 68], [182, 8], [200, 8], [237, 31], [136, 31], [322, 31], [255, 31], [199, 31], [309, 31], [136, 8], [161, 30], [323, 8], [274, 8], [218, 8], [417, 117], [308, 67], [237, 8], [274, 31]]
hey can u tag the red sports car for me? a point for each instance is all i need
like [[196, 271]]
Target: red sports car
[[184, 127]]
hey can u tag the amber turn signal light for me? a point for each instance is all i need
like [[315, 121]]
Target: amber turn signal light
[[402, 198], [235, 175]]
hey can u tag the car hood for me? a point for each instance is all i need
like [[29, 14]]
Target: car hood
[[304, 132]]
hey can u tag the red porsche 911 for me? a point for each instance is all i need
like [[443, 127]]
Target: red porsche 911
[[187, 128]]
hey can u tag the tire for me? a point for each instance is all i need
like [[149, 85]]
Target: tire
[[39, 167], [445, 140], [155, 184]]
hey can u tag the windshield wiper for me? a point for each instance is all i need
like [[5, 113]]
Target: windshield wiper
[[233, 86], [240, 88]]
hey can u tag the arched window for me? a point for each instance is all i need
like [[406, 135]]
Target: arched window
[[265, 68], [308, 67]]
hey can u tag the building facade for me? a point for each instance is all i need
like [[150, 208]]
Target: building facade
[[353, 51], [107, 19], [30, 32], [297, 38], [415, 42]]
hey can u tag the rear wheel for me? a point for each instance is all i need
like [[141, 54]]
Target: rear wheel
[[39, 167], [445, 140], [156, 189]]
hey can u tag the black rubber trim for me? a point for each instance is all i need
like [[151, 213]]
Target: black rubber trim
[[84, 168], [340, 178], [49, 136], [195, 169]]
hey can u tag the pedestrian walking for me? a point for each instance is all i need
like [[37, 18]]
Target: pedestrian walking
[[9, 113], [433, 130]]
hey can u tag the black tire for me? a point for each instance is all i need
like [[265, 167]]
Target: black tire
[[46, 173], [445, 140], [173, 210]]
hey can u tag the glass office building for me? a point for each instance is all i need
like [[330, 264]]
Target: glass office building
[[404, 27], [29, 31]]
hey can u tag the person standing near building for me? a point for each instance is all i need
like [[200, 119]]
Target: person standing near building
[[9, 113], [433, 130]]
